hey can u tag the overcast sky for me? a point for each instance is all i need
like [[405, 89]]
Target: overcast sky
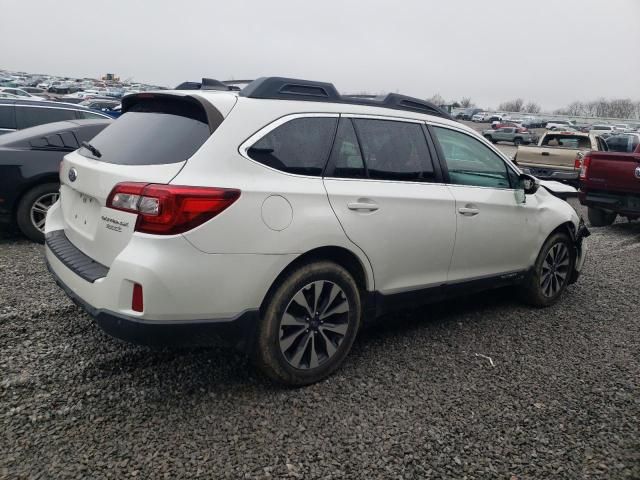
[[549, 51]]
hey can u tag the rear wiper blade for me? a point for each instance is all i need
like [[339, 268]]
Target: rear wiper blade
[[92, 149]]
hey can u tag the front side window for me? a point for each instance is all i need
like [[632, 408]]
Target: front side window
[[299, 146], [394, 150], [470, 162], [89, 115]]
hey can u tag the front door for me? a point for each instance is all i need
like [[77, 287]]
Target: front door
[[495, 229]]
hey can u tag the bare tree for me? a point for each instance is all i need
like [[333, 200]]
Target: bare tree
[[466, 102], [437, 99], [512, 105], [532, 107]]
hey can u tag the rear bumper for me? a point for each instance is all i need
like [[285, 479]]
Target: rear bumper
[[623, 204], [239, 331]]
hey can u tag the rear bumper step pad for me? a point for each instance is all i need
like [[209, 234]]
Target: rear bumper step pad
[[76, 261]]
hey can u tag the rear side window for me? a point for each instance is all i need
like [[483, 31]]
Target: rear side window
[[299, 146], [394, 150], [152, 133], [346, 157], [31, 116], [7, 117]]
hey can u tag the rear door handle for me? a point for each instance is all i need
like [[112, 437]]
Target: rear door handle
[[371, 207], [468, 211], [546, 154]]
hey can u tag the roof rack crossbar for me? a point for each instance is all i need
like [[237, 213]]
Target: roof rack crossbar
[[280, 88]]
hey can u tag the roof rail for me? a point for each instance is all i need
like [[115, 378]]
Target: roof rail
[[207, 84], [280, 88]]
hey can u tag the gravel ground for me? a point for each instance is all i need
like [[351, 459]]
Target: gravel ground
[[414, 399]]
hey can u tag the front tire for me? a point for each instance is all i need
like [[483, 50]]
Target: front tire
[[309, 324], [32, 210], [601, 218], [551, 272]]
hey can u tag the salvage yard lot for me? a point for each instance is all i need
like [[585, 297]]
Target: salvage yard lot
[[412, 401]]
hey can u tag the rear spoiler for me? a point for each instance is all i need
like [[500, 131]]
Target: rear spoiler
[[208, 112]]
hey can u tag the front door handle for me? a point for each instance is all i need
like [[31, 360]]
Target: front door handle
[[545, 154], [468, 211], [371, 207]]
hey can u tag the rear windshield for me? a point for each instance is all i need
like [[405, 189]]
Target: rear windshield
[[153, 132], [567, 141]]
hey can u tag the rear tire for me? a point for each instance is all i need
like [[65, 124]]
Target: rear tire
[[551, 272], [517, 141], [601, 218], [309, 324], [32, 210]]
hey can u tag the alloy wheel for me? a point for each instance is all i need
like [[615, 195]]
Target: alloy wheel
[[555, 269], [40, 207], [314, 324]]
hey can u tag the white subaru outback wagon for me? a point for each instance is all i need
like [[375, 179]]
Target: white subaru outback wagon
[[283, 216]]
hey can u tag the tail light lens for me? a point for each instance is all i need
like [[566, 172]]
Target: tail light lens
[[137, 303], [170, 209], [584, 166]]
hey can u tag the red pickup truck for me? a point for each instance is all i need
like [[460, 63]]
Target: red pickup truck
[[610, 185]]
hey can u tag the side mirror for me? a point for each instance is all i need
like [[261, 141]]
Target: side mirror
[[529, 183]]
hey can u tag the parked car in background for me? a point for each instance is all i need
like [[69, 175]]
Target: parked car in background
[[559, 124], [509, 134], [41, 92], [481, 117], [29, 165], [554, 158], [105, 106], [18, 92], [610, 185], [280, 192], [602, 130], [623, 127], [504, 124], [20, 114], [623, 142], [468, 113], [496, 117], [8, 95]]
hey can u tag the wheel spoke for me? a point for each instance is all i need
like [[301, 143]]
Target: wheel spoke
[[313, 358], [329, 346], [334, 291], [285, 343], [341, 307], [301, 300], [40, 224], [317, 291], [339, 328], [289, 320], [302, 348]]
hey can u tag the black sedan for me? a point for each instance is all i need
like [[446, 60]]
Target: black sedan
[[29, 164]]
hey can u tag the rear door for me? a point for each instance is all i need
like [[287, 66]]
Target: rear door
[[495, 231], [150, 143], [387, 193]]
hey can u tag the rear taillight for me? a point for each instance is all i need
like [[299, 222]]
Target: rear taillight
[[137, 303], [170, 209], [584, 166]]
